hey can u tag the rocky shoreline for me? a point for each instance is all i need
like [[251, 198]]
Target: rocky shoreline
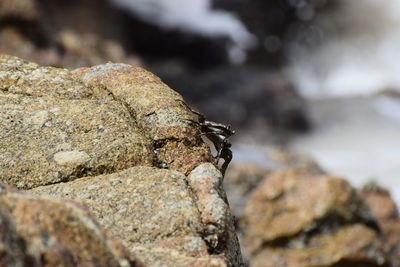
[[102, 165], [95, 137]]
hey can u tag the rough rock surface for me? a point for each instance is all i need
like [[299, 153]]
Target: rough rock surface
[[61, 128], [242, 178], [152, 224], [104, 137], [158, 110], [386, 212], [55, 129], [297, 219], [43, 232]]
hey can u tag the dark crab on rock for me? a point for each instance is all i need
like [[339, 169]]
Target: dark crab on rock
[[218, 134]]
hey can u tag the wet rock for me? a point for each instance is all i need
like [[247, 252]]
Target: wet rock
[[42, 232], [295, 218]]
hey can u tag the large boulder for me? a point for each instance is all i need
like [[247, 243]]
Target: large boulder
[[62, 125], [152, 212], [120, 142], [296, 218]]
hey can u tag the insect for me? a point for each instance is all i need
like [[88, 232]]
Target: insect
[[218, 134]]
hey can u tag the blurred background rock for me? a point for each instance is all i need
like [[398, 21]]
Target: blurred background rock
[[294, 77]]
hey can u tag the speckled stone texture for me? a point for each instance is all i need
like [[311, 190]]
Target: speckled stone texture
[[60, 127], [42, 232], [295, 218], [118, 141], [138, 205], [158, 110], [55, 129], [152, 212]]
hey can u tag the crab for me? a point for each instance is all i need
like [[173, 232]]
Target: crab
[[218, 134]]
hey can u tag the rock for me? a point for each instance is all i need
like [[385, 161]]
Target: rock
[[295, 218], [354, 245], [206, 183], [385, 211], [87, 49], [37, 231], [103, 137], [13, 41], [58, 131], [20, 9], [180, 251], [61, 127], [242, 178], [26, 34], [137, 205], [158, 110], [152, 212], [76, 158]]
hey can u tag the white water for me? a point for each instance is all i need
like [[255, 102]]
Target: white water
[[194, 16], [355, 137], [359, 58]]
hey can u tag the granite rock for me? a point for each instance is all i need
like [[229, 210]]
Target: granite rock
[[137, 205], [54, 128], [117, 140], [37, 231], [205, 182], [295, 218], [154, 215], [62, 125], [157, 109]]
